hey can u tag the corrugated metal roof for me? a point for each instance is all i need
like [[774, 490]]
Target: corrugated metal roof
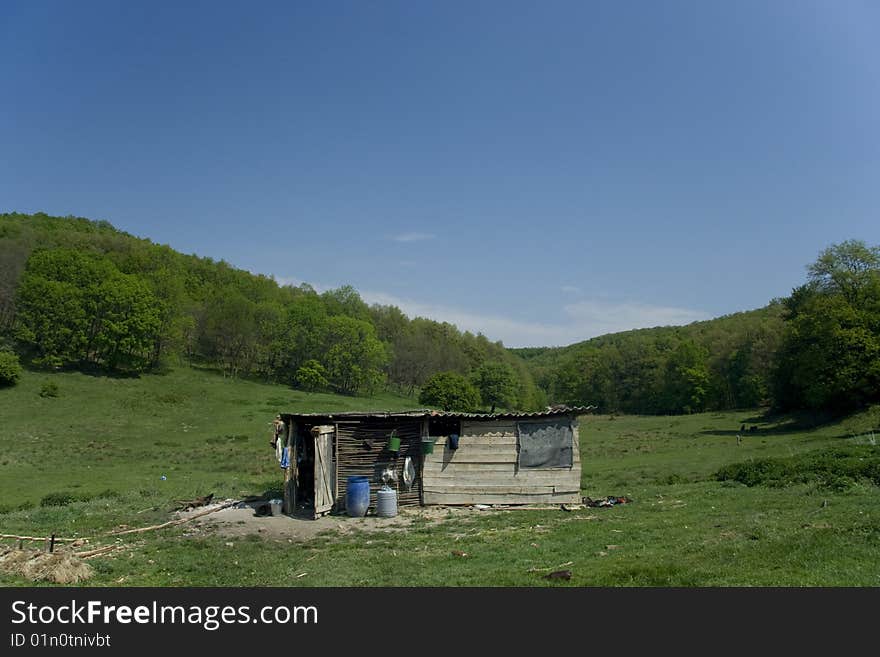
[[426, 412]]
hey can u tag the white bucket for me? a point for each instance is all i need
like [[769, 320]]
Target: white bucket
[[276, 506]]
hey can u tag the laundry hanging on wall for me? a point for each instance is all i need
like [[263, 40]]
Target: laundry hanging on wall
[[409, 473]]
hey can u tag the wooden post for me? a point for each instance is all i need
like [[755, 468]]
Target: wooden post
[[425, 434], [285, 507], [52, 544], [336, 506], [291, 474]]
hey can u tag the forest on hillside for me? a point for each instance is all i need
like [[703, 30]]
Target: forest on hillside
[[724, 363], [818, 348], [81, 294]]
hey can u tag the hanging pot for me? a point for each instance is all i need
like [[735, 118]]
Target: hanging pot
[[393, 442]]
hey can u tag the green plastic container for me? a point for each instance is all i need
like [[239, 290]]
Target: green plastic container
[[393, 443], [427, 447]]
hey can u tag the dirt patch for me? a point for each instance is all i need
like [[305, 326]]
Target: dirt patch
[[235, 522]]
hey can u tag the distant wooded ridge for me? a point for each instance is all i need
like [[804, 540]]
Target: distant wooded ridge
[[80, 294]]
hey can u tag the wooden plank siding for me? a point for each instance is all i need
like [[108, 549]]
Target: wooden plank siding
[[483, 470]]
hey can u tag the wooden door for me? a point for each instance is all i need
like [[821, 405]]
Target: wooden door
[[325, 469], [290, 473]]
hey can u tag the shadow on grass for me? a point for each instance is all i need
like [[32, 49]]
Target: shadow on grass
[[770, 423], [30, 364], [99, 373], [266, 488]]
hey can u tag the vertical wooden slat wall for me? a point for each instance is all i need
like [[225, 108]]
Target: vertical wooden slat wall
[[362, 450]]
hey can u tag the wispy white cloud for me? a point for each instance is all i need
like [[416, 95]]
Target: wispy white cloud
[[597, 317], [495, 327], [574, 322], [571, 289], [296, 282], [413, 237], [287, 280]]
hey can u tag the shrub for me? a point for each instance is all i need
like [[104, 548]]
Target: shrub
[[672, 479], [836, 468], [106, 494], [49, 389], [62, 498], [9, 508], [10, 368]]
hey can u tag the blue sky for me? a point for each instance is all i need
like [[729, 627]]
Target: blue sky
[[539, 172]]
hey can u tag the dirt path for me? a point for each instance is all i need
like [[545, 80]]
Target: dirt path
[[241, 522]]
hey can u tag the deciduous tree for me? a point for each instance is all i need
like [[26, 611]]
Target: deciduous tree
[[450, 391]]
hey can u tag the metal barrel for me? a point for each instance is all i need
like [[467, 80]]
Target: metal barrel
[[386, 502]]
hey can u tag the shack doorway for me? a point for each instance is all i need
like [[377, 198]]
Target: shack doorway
[[314, 489], [324, 469]]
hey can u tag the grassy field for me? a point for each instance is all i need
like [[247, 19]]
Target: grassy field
[[108, 442], [203, 432]]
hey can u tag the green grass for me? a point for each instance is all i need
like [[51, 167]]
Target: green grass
[[203, 432], [834, 468], [102, 445]]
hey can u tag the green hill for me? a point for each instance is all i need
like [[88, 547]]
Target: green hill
[[204, 432], [125, 407], [81, 295], [723, 363], [790, 505]]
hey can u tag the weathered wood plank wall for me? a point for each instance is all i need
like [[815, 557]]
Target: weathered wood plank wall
[[483, 470]]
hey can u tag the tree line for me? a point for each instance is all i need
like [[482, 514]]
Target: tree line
[[718, 364], [81, 294], [819, 348], [76, 293]]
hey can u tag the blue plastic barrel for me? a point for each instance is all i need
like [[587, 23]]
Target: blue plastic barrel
[[357, 496]]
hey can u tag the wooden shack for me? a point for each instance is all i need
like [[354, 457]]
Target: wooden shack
[[455, 458]]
